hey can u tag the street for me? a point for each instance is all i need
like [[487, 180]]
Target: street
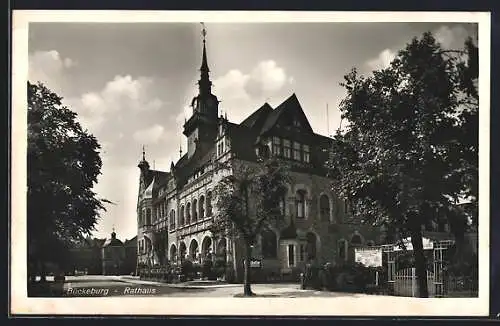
[[100, 286]]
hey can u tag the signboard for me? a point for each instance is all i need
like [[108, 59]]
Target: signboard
[[427, 243], [254, 263], [369, 257]]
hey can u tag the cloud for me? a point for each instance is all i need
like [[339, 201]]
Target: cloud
[[122, 93], [241, 92], [382, 61], [453, 37], [49, 67], [149, 135]]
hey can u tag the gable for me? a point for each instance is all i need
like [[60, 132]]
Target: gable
[[288, 115]]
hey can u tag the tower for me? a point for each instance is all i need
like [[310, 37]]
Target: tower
[[201, 128]]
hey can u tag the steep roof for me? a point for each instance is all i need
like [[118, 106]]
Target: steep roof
[[243, 138], [289, 106], [257, 119]]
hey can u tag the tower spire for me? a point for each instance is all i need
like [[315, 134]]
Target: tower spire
[[143, 153], [204, 83]]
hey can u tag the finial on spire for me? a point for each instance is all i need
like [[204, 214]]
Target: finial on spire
[[180, 149], [143, 153], [203, 31]]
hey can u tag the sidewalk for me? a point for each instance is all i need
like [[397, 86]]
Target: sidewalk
[[186, 285]]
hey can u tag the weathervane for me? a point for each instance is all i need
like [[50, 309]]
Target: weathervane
[[143, 153]]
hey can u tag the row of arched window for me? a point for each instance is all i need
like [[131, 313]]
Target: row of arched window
[[201, 207], [193, 211]]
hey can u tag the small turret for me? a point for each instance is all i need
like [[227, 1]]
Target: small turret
[[143, 164]]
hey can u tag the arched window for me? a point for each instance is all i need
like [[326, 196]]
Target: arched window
[[148, 216], [269, 244], [209, 204], [188, 213], [172, 219], [301, 204], [201, 204], [181, 217], [195, 210], [324, 208]]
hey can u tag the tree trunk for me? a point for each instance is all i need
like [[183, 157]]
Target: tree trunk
[[420, 262], [247, 290]]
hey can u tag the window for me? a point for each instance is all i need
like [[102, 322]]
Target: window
[[209, 204], [302, 252], [307, 157], [296, 151], [148, 216], [291, 255], [276, 146], [181, 217], [324, 208], [188, 213], [286, 148], [282, 205], [195, 210], [202, 208], [172, 219], [269, 244], [301, 204]]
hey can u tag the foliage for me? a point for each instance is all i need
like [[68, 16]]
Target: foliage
[[248, 201], [410, 150], [63, 166]]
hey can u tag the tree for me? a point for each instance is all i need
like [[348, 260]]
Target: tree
[[63, 165], [410, 151], [247, 202]]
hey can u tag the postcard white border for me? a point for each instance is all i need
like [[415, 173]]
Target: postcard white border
[[347, 306]]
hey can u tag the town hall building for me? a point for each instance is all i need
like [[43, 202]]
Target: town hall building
[[175, 209]]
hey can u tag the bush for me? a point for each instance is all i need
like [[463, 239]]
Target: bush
[[187, 269]]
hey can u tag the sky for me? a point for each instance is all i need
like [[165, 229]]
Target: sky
[[131, 83]]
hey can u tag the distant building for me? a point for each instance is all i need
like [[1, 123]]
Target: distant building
[[86, 257], [113, 256], [175, 209], [130, 263]]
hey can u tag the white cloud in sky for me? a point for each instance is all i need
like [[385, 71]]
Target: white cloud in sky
[[382, 61], [49, 68], [149, 135], [241, 93], [451, 37]]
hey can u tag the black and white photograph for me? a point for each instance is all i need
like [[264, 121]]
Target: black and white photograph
[[250, 163]]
